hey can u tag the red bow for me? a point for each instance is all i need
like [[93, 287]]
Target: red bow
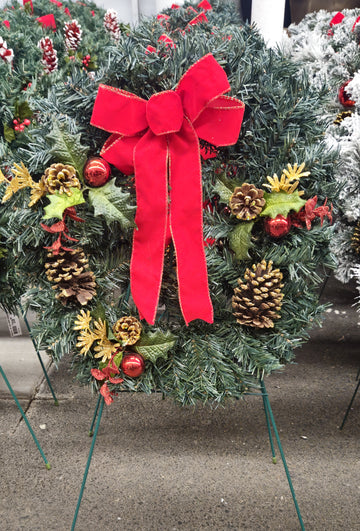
[[159, 139]]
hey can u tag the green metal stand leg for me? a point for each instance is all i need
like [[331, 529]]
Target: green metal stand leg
[[56, 402], [272, 420], [47, 464], [91, 432], [269, 429], [88, 464], [349, 406]]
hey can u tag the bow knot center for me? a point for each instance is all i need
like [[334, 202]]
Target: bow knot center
[[164, 112]]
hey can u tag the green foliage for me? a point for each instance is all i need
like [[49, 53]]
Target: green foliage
[[112, 203], [281, 203], [155, 345], [240, 239], [67, 148], [59, 202]]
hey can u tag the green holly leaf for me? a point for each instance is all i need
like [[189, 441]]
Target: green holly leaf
[[117, 359], [59, 202], [22, 110], [9, 133], [281, 203], [155, 345], [240, 239], [67, 148], [224, 188], [112, 203]]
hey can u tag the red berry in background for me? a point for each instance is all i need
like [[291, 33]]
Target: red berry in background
[[344, 97], [278, 226], [21, 127], [26, 121], [96, 172], [17, 128], [132, 365]]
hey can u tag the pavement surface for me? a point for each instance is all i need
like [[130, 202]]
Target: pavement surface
[[161, 468]]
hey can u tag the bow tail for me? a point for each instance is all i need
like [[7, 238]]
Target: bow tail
[[147, 260], [186, 224]]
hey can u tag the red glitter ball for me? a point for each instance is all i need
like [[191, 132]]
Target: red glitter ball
[[277, 227], [344, 97], [132, 365], [96, 172]]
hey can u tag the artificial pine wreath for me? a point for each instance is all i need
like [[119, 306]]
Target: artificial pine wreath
[[326, 45], [196, 346]]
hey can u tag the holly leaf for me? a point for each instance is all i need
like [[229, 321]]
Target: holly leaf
[[155, 345], [281, 203], [117, 358], [112, 203], [9, 133], [240, 239], [22, 110], [224, 188], [59, 202], [67, 148]]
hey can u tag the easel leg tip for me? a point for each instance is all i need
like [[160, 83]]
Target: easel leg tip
[[56, 403], [274, 460], [48, 466], [91, 433]]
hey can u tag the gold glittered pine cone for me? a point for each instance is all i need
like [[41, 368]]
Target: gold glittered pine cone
[[60, 178], [127, 329], [257, 301], [68, 271], [247, 202], [355, 239]]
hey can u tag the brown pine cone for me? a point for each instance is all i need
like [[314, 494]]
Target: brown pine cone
[[355, 239], [127, 329], [68, 272], [247, 202], [257, 301], [60, 178]]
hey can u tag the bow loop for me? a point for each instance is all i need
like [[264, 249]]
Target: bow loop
[[204, 81], [118, 111]]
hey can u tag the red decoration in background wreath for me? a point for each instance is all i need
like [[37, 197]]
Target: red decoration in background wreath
[[96, 172], [132, 365], [344, 97], [277, 227]]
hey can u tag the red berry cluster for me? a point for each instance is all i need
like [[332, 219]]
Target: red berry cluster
[[20, 126], [86, 60], [27, 86]]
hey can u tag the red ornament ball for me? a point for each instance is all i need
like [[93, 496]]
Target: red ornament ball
[[344, 97], [132, 365], [277, 227], [96, 172]]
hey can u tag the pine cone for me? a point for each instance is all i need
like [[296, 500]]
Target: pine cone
[[73, 32], [128, 330], [111, 23], [60, 178], [256, 302], [341, 115], [49, 58], [355, 239], [247, 202], [68, 271]]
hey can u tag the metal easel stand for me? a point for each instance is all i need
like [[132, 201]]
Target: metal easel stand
[[47, 464], [270, 422], [23, 312], [351, 401]]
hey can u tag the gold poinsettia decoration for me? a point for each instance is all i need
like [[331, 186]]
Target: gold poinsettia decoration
[[104, 348], [289, 179], [2, 177], [22, 179]]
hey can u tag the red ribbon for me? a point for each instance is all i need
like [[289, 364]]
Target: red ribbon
[[159, 139]]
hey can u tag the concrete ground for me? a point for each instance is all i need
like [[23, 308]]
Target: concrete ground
[[158, 467]]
